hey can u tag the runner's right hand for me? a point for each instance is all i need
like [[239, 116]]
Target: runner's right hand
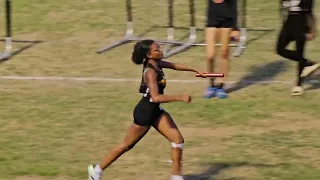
[[186, 98]]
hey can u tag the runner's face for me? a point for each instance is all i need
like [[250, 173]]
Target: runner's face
[[155, 52]]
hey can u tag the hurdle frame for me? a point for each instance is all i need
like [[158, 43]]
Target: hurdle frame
[[240, 46], [192, 34], [129, 36], [6, 54]]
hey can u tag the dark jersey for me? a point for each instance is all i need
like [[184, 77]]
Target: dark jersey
[[298, 6], [222, 10], [160, 80], [147, 112], [299, 15]]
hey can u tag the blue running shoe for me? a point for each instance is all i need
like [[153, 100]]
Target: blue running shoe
[[210, 92], [220, 93]]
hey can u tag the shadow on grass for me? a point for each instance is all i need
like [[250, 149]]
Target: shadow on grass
[[260, 74], [313, 81], [215, 168]]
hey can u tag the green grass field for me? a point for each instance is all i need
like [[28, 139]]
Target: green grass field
[[52, 129]]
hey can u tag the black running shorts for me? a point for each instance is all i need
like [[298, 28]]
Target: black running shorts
[[147, 113], [220, 23]]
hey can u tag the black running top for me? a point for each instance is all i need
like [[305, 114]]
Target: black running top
[[160, 79], [299, 6]]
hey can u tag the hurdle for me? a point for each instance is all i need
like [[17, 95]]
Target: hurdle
[[129, 36], [240, 46], [192, 34], [6, 54], [170, 28]]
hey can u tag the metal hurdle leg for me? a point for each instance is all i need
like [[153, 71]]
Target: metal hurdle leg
[[192, 36], [184, 46], [8, 40], [170, 27], [129, 37], [243, 30], [170, 39], [7, 51], [129, 34], [170, 31], [242, 42]]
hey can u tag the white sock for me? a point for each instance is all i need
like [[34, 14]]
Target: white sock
[[97, 169], [176, 177]]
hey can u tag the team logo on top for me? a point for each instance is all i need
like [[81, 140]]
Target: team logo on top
[[163, 82]]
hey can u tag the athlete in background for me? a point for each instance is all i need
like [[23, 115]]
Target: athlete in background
[[299, 26], [148, 112], [221, 23]]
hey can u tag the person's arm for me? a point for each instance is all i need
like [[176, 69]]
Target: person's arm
[[151, 80], [311, 18], [312, 23], [235, 16], [176, 66]]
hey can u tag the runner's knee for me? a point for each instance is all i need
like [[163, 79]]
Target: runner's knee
[[178, 143]]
